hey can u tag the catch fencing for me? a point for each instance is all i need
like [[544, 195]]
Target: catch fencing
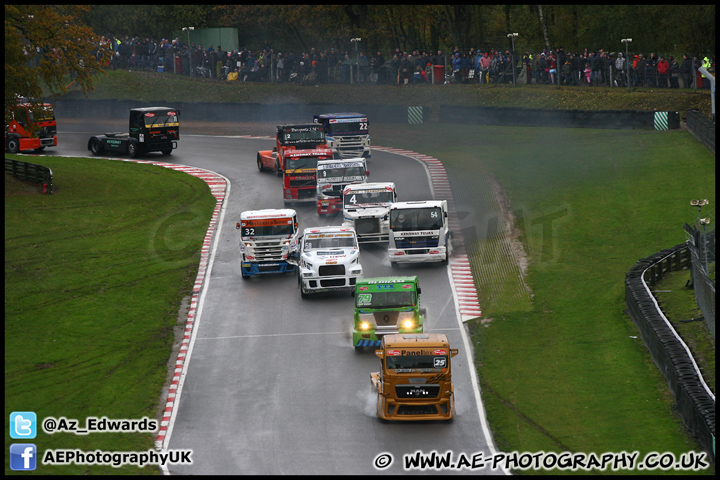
[[702, 128], [31, 172], [702, 253], [695, 401]]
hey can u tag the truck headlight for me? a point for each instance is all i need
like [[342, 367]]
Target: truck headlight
[[408, 324], [365, 326]]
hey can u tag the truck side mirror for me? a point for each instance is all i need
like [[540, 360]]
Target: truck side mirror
[[379, 353], [453, 352], [237, 226], [419, 290], [352, 293], [275, 148]]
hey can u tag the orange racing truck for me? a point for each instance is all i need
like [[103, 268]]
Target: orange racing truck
[[30, 129], [294, 158], [415, 379]]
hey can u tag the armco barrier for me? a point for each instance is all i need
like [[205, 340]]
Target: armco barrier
[[702, 128], [533, 117], [30, 172], [695, 401], [398, 114]]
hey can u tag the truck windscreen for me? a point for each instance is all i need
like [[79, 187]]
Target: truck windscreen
[[429, 362], [391, 299], [330, 242], [341, 173], [263, 228], [354, 199], [308, 136], [156, 120], [348, 128], [301, 162], [410, 219]]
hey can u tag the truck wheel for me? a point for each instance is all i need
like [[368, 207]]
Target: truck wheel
[[259, 163], [12, 145], [393, 264], [167, 152], [39, 149], [132, 148], [278, 170], [359, 349], [96, 146]]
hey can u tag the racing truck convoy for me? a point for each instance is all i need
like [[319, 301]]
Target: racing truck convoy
[[329, 260], [268, 241], [152, 129], [419, 232], [386, 305], [346, 133], [332, 178], [294, 157], [366, 209], [30, 129], [415, 380]]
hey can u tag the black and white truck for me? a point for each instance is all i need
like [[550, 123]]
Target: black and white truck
[[152, 129]]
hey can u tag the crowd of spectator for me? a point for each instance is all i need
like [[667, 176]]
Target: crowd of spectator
[[553, 66]]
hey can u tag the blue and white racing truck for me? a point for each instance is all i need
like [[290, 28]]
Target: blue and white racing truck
[[268, 241], [346, 133]]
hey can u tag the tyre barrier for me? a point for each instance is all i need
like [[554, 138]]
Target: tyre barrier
[[695, 401], [702, 128]]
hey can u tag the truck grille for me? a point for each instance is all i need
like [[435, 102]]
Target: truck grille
[[331, 270], [303, 183], [350, 147], [417, 391], [417, 410], [386, 319], [267, 251], [417, 242], [367, 226], [333, 282]]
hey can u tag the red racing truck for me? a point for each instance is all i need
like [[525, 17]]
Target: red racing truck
[[295, 156], [30, 129]]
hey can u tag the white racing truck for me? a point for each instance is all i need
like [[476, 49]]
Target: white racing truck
[[268, 241], [332, 178], [329, 260], [366, 207], [419, 232]]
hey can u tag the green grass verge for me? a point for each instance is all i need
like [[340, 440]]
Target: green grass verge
[[94, 278], [569, 372]]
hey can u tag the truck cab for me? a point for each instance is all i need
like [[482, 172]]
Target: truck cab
[[329, 260], [347, 133], [332, 178], [30, 128], [415, 377], [366, 208], [268, 241], [151, 129], [294, 158], [384, 306], [419, 232]]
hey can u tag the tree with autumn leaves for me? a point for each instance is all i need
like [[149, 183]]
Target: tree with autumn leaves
[[46, 49]]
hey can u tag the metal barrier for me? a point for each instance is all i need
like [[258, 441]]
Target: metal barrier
[[702, 128], [702, 253], [30, 172], [695, 401]]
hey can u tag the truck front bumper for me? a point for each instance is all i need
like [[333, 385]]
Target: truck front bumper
[[329, 284], [390, 408], [363, 338], [250, 268], [417, 255], [329, 205]]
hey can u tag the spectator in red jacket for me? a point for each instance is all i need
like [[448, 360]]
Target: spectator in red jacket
[[663, 67]]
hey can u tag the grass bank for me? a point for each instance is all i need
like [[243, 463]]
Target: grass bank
[[94, 278], [564, 368], [165, 87]]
